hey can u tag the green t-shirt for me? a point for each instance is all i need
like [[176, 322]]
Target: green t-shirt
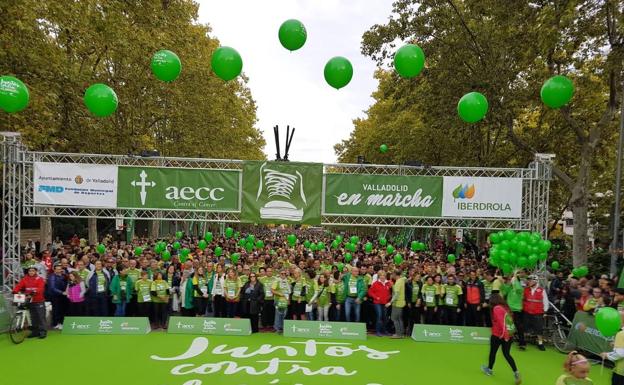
[[201, 284], [299, 286], [84, 273], [339, 291], [312, 288], [232, 289], [160, 287], [143, 288], [243, 279], [451, 295], [101, 282], [134, 274], [323, 295], [415, 291], [282, 290], [429, 293], [123, 283], [398, 292], [487, 287], [267, 283]]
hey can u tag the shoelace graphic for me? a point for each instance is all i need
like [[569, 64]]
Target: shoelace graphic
[[279, 183]]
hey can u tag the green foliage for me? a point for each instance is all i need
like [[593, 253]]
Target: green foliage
[[59, 48]]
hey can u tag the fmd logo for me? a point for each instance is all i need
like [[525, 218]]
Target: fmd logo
[[51, 189]]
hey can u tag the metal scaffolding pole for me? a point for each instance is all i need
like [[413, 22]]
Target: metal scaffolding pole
[[11, 204]]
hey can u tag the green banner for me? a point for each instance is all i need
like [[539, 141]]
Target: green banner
[[282, 192], [178, 189], [112, 325], [383, 195], [456, 334], [5, 316], [585, 336], [318, 329], [207, 325]]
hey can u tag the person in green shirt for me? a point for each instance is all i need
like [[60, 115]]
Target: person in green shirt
[[160, 297], [200, 294], [398, 303], [281, 294], [135, 275], [143, 289], [355, 290], [453, 300], [121, 292], [415, 302], [268, 308], [232, 293], [300, 287], [514, 292], [339, 296], [322, 297], [431, 298]]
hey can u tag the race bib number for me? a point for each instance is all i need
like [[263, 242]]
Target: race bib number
[[123, 285], [147, 298], [100, 288], [204, 290], [429, 298], [268, 293], [297, 293], [231, 292], [352, 290], [218, 291], [449, 300]]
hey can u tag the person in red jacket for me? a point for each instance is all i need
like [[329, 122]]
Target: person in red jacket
[[34, 286], [502, 330], [380, 294], [534, 305]]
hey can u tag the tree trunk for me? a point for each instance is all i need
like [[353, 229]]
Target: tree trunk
[[45, 228], [154, 231], [93, 235], [578, 203]]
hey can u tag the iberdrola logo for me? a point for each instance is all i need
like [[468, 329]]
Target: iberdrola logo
[[464, 192]]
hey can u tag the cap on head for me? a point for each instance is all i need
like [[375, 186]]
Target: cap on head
[[532, 277]]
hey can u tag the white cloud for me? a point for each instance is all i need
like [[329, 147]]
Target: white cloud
[[289, 88]]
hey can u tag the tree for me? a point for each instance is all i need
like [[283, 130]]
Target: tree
[[506, 55]]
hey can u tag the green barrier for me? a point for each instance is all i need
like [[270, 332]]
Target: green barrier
[[5, 316], [456, 334], [585, 336], [317, 329], [214, 326], [101, 325]]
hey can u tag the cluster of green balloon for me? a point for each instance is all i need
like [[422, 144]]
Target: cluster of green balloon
[[184, 253], [218, 251], [417, 246], [101, 249], [166, 65], [557, 91], [383, 241], [580, 272], [409, 60], [608, 321], [368, 247], [138, 251], [229, 232], [179, 234], [511, 250], [160, 247], [291, 239], [100, 100], [226, 63], [351, 247], [202, 244], [338, 72], [234, 258], [383, 148], [398, 259], [348, 257], [472, 107], [292, 34], [208, 236], [14, 95]]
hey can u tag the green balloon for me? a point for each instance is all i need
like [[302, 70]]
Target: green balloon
[[544, 245], [583, 271], [554, 265], [472, 107], [208, 236], [179, 234], [557, 91], [292, 34], [185, 252], [229, 232], [409, 60], [101, 249], [202, 244], [383, 148], [306, 244], [335, 244], [292, 239], [508, 235], [237, 235], [166, 255], [339, 238], [249, 247], [138, 251], [241, 242], [383, 241], [251, 238], [183, 258], [351, 247], [260, 244], [355, 239], [338, 72], [14, 95], [506, 268], [608, 321], [451, 258], [235, 257], [414, 246], [313, 247], [523, 262], [218, 251], [320, 246], [398, 259], [340, 266], [177, 245], [226, 63], [533, 260], [390, 249], [166, 65], [495, 238], [368, 247], [101, 100], [348, 257]]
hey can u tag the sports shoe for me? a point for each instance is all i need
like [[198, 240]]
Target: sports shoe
[[541, 347], [487, 371], [522, 347], [60, 327], [517, 379], [396, 336]]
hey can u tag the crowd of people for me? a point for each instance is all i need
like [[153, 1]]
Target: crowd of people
[[283, 280]]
